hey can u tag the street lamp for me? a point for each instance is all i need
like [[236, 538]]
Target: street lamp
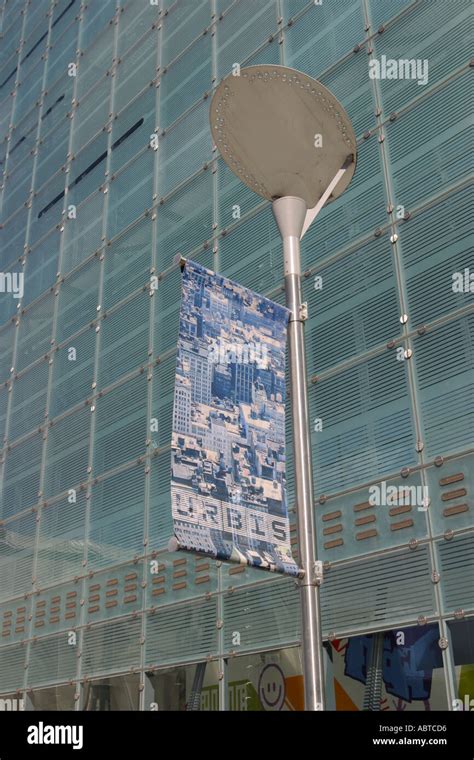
[[289, 139]]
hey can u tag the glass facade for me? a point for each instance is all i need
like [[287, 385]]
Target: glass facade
[[108, 172]]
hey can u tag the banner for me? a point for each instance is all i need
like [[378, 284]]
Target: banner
[[228, 480]]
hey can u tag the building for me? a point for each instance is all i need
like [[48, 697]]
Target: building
[[200, 373], [108, 173], [182, 406]]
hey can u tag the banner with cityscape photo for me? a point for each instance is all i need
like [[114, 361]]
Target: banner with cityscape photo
[[228, 480]]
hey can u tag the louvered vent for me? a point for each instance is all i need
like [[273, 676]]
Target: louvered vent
[[112, 647], [457, 573], [267, 615], [378, 592], [12, 661], [52, 660], [181, 633]]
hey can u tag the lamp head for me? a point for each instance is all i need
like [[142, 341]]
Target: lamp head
[[282, 133]]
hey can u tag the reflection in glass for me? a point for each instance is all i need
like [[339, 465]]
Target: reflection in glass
[[395, 670], [268, 681], [54, 698], [118, 693], [462, 642], [190, 687]]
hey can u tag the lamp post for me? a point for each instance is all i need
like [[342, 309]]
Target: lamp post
[[288, 139]]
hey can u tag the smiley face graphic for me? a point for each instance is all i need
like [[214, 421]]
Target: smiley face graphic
[[271, 687]]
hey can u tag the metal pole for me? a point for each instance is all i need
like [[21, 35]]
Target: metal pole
[[290, 215]]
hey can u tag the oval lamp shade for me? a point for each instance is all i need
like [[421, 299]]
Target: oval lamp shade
[[282, 133]]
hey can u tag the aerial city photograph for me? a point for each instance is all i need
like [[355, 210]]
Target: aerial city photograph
[[236, 374]]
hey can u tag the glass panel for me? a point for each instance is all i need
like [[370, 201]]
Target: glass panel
[[396, 670], [268, 681], [120, 693], [462, 643], [187, 688], [55, 698]]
